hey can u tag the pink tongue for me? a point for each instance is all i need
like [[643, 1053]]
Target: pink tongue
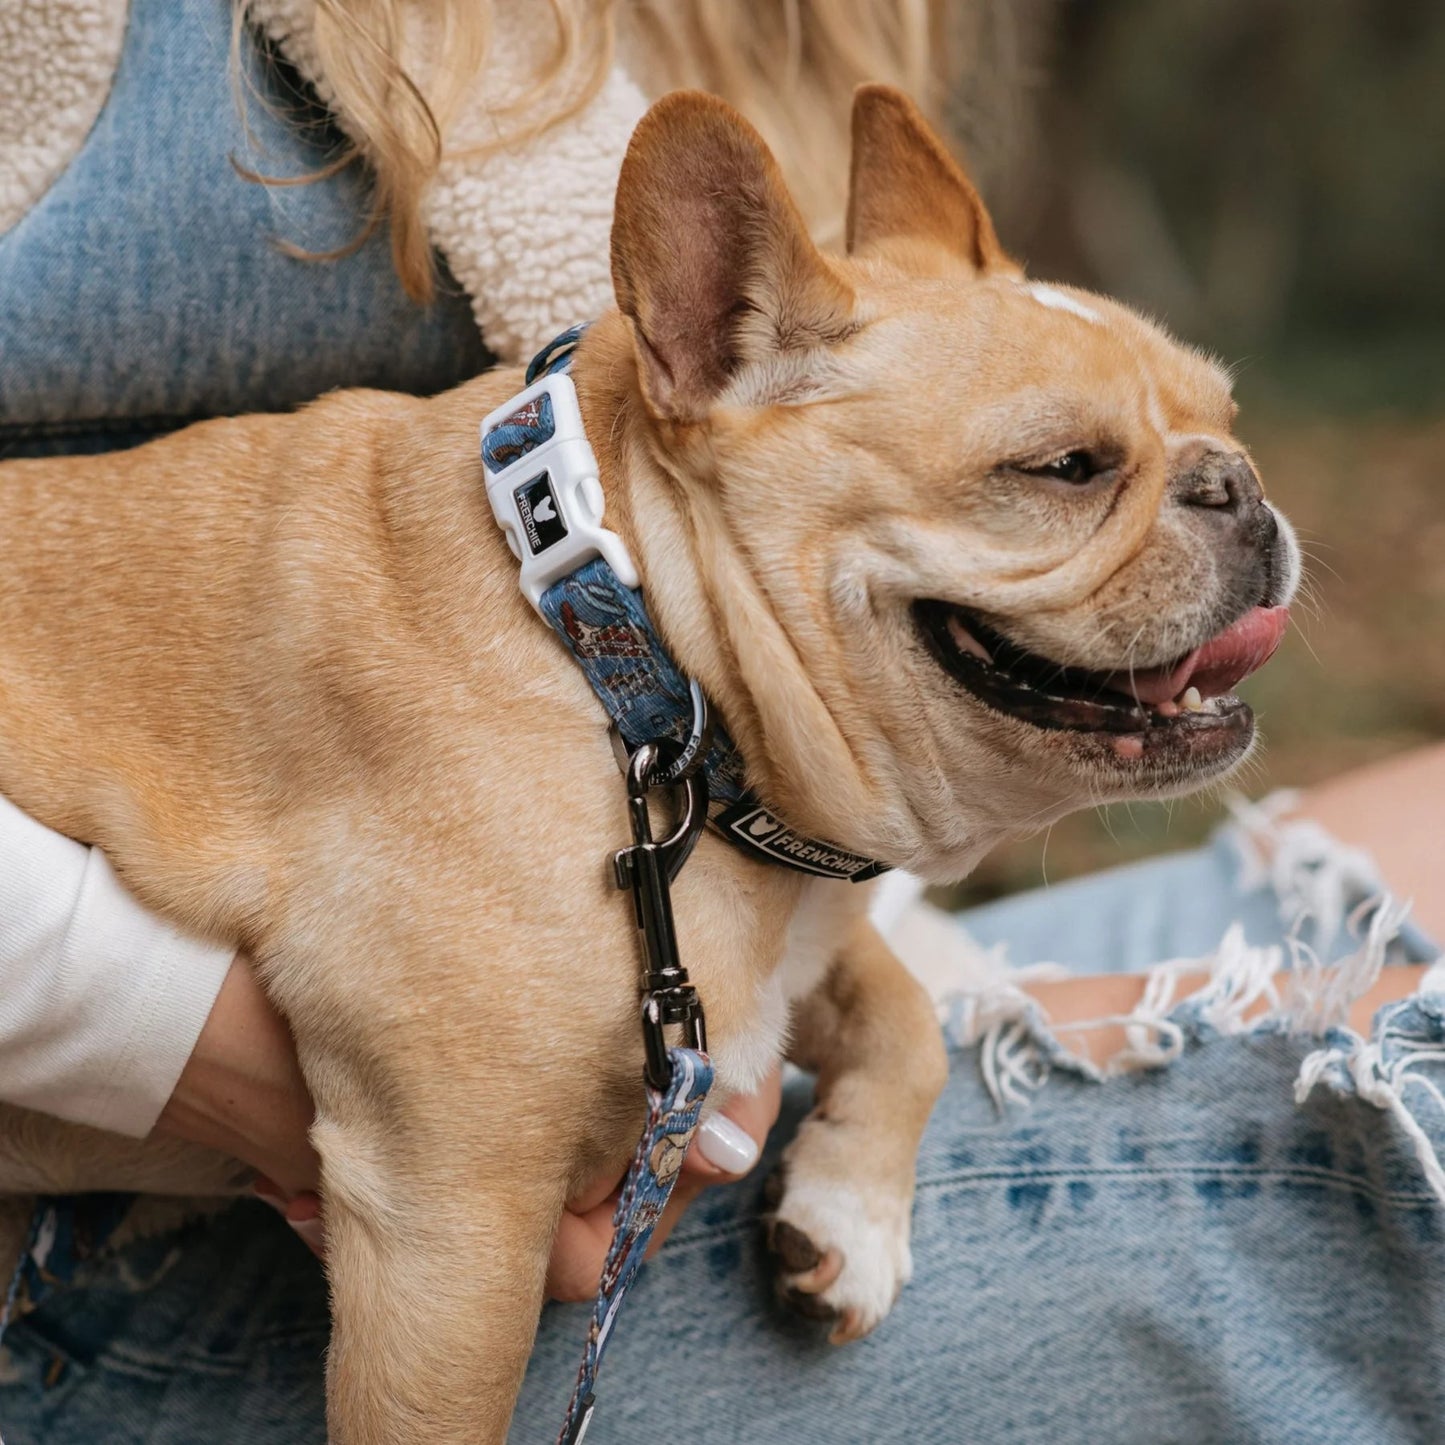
[[1214, 668]]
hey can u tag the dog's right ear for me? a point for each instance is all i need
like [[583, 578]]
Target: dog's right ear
[[905, 187], [712, 263]]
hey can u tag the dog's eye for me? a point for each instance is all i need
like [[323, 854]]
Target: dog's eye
[[1075, 467]]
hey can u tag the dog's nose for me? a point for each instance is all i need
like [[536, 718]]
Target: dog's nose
[[1219, 479]]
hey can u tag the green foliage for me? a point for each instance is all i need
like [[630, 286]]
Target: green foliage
[[1267, 175]]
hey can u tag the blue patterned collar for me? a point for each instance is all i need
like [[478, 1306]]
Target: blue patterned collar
[[543, 486]]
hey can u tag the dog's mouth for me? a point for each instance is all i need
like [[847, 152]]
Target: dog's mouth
[[1192, 695]]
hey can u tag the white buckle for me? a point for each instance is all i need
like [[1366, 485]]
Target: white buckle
[[548, 501]]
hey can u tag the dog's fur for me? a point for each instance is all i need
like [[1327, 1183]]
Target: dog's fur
[[279, 668]]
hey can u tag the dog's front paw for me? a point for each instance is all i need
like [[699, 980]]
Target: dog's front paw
[[840, 1246]]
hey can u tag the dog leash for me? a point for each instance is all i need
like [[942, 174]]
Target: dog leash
[[581, 590], [544, 488], [676, 1079]]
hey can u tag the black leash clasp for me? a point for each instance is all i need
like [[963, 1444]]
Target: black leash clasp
[[648, 868]]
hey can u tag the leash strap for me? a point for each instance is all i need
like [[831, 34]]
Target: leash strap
[[672, 1115]]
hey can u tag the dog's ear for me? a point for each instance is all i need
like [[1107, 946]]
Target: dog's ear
[[905, 187], [712, 263]]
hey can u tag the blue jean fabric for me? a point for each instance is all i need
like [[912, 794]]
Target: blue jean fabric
[[145, 289], [1182, 1255]]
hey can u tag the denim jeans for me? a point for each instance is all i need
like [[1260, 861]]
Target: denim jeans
[[1179, 1255], [146, 288]]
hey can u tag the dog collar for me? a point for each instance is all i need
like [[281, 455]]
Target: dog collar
[[545, 492]]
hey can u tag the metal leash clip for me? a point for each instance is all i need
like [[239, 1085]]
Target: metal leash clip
[[648, 868], [676, 761]]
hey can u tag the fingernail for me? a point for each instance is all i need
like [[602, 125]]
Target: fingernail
[[311, 1232], [726, 1146]]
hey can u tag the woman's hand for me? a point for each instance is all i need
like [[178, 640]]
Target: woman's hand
[[725, 1148]]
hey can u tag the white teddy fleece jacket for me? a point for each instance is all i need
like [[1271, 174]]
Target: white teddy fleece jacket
[[100, 1002]]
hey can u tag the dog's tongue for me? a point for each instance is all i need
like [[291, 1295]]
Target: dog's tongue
[[1216, 667]]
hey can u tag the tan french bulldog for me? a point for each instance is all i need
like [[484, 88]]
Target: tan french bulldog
[[952, 554]]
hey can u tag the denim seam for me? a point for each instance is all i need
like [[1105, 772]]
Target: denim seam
[[1299, 1174], [741, 1229], [52, 430], [1330, 1179], [122, 1359]]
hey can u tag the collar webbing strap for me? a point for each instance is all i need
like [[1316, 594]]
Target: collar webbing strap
[[544, 489], [556, 356], [606, 628]]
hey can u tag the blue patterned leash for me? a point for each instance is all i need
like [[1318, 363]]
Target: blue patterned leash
[[677, 1080], [672, 1116]]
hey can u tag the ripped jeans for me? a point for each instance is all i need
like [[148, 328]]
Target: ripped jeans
[[1238, 1241]]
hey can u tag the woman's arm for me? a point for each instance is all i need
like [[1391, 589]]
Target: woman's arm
[[242, 1091], [101, 1001]]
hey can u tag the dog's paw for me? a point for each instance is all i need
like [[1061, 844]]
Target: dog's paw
[[840, 1249]]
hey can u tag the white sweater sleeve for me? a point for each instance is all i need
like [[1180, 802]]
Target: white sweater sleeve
[[101, 1001]]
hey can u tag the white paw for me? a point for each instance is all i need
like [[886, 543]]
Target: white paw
[[841, 1251]]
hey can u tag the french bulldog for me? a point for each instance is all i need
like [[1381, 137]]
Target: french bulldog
[[951, 552]]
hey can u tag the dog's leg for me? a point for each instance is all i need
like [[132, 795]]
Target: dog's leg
[[843, 1195], [437, 1265]]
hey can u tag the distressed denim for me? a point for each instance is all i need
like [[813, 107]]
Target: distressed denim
[[146, 288], [1177, 906], [1176, 1255]]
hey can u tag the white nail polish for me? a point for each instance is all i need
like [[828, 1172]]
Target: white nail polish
[[726, 1146]]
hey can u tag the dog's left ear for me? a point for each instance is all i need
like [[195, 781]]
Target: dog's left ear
[[712, 263], [906, 189]]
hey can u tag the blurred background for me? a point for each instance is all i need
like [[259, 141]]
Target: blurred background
[[1268, 178]]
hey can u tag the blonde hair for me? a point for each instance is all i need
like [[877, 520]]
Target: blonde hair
[[789, 65]]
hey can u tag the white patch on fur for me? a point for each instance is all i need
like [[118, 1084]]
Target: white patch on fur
[[1057, 301], [1157, 419], [1292, 553], [741, 1062], [870, 1230], [815, 934], [1176, 441]]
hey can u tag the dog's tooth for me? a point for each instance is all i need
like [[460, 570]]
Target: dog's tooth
[[965, 641], [1191, 700]]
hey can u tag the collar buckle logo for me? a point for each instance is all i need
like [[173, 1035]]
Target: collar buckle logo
[[542, 484]]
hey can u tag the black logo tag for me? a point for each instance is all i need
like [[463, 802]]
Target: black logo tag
[[759, 831], [541, 518]]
